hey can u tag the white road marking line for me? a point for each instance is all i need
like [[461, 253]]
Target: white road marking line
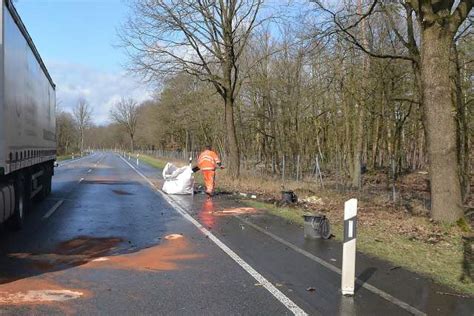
[[82, 179], [53, 209], [287, 302], [333, 268], [89, 171]]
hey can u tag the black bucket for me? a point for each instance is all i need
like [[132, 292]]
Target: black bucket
[[288, 197], [316, 226]]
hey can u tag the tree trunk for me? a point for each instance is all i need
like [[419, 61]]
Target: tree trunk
[[132, 143], [375, 142], [234, 153], [440, 116]]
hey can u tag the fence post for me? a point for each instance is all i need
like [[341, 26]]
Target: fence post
[[284, 167], [319, 172], [393, 175], [273, 165], [298, 168]]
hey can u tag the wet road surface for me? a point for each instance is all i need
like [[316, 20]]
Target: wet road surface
[[105, 242]]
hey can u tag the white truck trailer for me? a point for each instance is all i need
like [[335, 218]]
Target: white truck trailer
[[27, 120]]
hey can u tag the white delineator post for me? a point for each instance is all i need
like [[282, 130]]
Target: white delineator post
[[138, 155], [349, 247]]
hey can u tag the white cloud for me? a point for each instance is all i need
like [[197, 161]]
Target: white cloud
[[102, 89]]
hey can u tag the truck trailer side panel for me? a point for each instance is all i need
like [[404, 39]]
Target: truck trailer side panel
[[2, 103], [29, 99], [27, 120]]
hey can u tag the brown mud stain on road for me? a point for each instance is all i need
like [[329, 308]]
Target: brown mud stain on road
[[173, 236], [37, 291], [236, 211], [90, 252], [208, 212], [121, 192], [107, 180], [167, 256], [73, 252], [88, 246]]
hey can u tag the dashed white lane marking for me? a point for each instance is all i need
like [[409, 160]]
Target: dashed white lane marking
[[53, 209], [82, 179], [89, 171], [287, 302], [329, 266]]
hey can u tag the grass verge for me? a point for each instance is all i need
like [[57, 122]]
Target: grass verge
[[154, 162], [63, 157], [70, 156]]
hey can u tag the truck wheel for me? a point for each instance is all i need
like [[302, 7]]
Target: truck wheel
[[21, 204]]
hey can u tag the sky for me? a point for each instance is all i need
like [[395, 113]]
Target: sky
[[77, 40]]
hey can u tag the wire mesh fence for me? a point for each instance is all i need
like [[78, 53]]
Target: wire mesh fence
[[306, 170]]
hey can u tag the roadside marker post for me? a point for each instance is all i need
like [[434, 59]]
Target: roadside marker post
[[138, 155], [349, 247]]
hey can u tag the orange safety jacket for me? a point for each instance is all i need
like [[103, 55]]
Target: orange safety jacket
[[208, 160]]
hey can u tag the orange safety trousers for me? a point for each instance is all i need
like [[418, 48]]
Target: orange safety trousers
[[209, 180]]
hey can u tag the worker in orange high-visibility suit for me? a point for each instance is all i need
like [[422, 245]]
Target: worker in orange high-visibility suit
[[208, 161]]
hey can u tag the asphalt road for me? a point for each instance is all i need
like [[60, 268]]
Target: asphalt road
[[106, 242]]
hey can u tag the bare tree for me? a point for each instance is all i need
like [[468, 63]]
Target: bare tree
[[439, 22], [204, 38], [65, 130], [82, 115], [125, 113]]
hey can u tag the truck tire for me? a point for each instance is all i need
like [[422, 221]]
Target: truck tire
[[22, 202]]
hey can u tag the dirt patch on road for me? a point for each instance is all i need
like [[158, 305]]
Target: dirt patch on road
[[236, 211], [121, 192], [90, 252], [73, 252], [173, 236], [88, 246], [107, 181], [37, 291], [167, 256]]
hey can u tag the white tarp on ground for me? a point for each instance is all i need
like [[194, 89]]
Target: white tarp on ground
[[178, 180]]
